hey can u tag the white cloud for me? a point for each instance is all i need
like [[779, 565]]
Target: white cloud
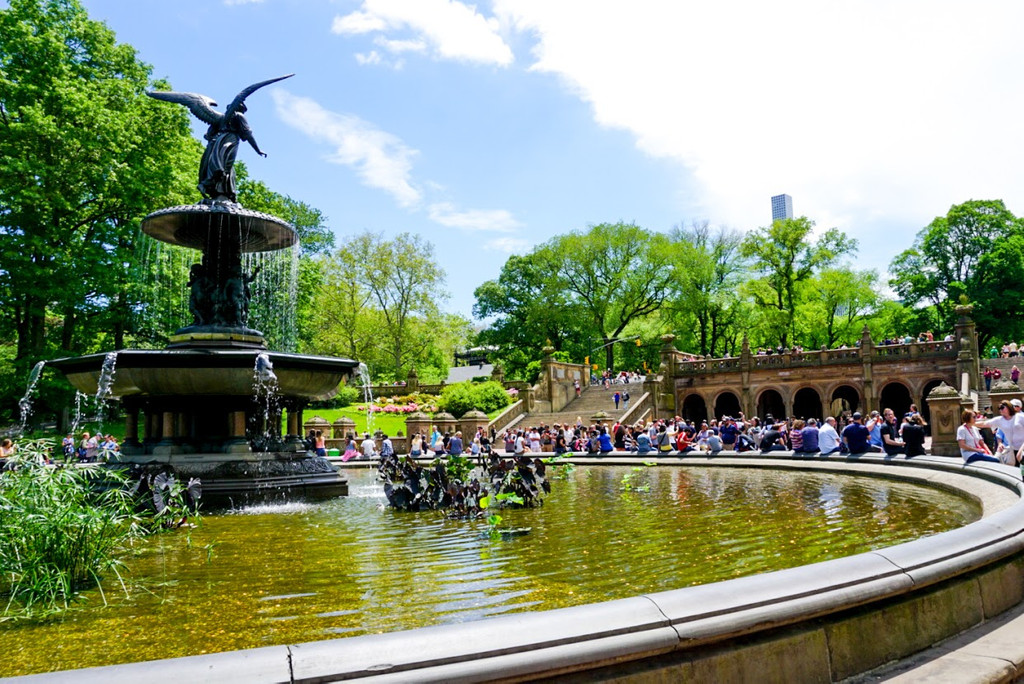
[[452, 29], [865, 113], [508, 245], [383, 161], [357, 22], [400, 46], [371, 57], [496, 220], [380, 159]]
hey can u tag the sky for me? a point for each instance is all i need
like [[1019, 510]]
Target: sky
[[489, 128]]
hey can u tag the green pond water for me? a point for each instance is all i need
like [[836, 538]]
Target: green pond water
[[305, 572]]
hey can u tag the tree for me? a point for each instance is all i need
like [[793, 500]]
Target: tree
[[710, 269], [785, 255], [530, 310], [616, 273], [83, 155], [380, 301], [946, 260], [836, 304]]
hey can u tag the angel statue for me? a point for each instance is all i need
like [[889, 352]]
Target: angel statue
[[216, 170]]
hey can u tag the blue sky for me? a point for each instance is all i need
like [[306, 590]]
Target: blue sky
[[488, 128]]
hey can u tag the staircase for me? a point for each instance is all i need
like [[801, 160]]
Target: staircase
[[1004, 365], [593, 399]]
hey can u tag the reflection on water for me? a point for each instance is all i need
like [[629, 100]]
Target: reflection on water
[[301, 572]]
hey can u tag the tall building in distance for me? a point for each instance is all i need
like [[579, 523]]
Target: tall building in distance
[[782, 207]]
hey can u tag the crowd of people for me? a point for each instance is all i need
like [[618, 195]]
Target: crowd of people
[[854, 433]]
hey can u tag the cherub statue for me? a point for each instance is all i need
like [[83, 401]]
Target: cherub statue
[[216, 170]]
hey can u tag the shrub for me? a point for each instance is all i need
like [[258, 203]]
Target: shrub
[[461, 397]]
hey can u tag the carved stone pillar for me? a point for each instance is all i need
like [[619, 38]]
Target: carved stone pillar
[[944, 405]]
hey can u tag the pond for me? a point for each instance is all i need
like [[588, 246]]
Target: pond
[[305, 572]]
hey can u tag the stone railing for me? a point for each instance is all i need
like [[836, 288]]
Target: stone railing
[[503, 419], [639, 410], [823, 357]]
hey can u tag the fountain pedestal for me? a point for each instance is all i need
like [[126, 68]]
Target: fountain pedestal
[[210, 405]]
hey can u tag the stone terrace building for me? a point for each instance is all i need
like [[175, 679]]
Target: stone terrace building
[[818, 383]]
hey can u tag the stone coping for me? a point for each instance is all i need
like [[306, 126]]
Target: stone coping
[[820, 621]]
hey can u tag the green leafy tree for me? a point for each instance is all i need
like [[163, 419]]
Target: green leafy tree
[[785, 255], [378, 302], [970, 252], [710, 269], [836, 304], [530, 309]]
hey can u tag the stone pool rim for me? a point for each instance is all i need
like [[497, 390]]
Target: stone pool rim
[[823, 622]]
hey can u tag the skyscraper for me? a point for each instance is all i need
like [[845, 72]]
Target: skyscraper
[[782, 207]]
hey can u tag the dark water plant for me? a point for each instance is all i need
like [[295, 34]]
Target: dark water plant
[[63, 528], [460, 488]]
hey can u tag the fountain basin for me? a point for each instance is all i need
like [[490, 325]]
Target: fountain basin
[[206, 372], [820, 622], [200, 225]]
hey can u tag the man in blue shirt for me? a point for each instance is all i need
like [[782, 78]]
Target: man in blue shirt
[[728, 433], [855, 436]]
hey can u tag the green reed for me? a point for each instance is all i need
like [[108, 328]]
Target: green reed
[[62, 529]]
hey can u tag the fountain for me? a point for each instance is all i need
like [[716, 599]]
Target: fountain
[[201, 412]]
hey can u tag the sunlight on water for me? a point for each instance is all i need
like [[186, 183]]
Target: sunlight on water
[[289, 573]]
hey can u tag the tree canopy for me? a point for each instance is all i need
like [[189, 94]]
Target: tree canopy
[[973, 251]]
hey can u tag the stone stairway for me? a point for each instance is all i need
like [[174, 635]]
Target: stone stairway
[[592, 400], [1005, 366]]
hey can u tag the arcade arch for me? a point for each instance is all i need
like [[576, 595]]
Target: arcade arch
[[807, 403], [770, 402], [923, 404], [896, 396], [694, 408], [845, 399], [727, 404]]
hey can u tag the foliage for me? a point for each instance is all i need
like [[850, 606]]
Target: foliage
[[461, 397], [377, 302], [454, 485], [83, 155], [835, 304], [710, 269], [578, 291], [64, 528], [973, 250], [636, 480], [785, 256]]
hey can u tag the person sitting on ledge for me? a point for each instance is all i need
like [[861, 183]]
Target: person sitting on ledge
[[809, 436], [856, 436], [913, 435], [972, 446], [828, 438], [891, 441], [643, 443], [771, 438]]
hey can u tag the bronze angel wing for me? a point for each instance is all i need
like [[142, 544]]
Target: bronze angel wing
[[200, 105], [240, 98]]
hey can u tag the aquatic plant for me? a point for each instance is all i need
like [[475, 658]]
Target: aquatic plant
[[63, 528], [460, 488]]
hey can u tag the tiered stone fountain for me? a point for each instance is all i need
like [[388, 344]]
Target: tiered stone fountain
[[211, 405]]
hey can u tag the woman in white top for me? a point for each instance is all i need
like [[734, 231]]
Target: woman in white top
[[972, 447], [1010, 421]]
